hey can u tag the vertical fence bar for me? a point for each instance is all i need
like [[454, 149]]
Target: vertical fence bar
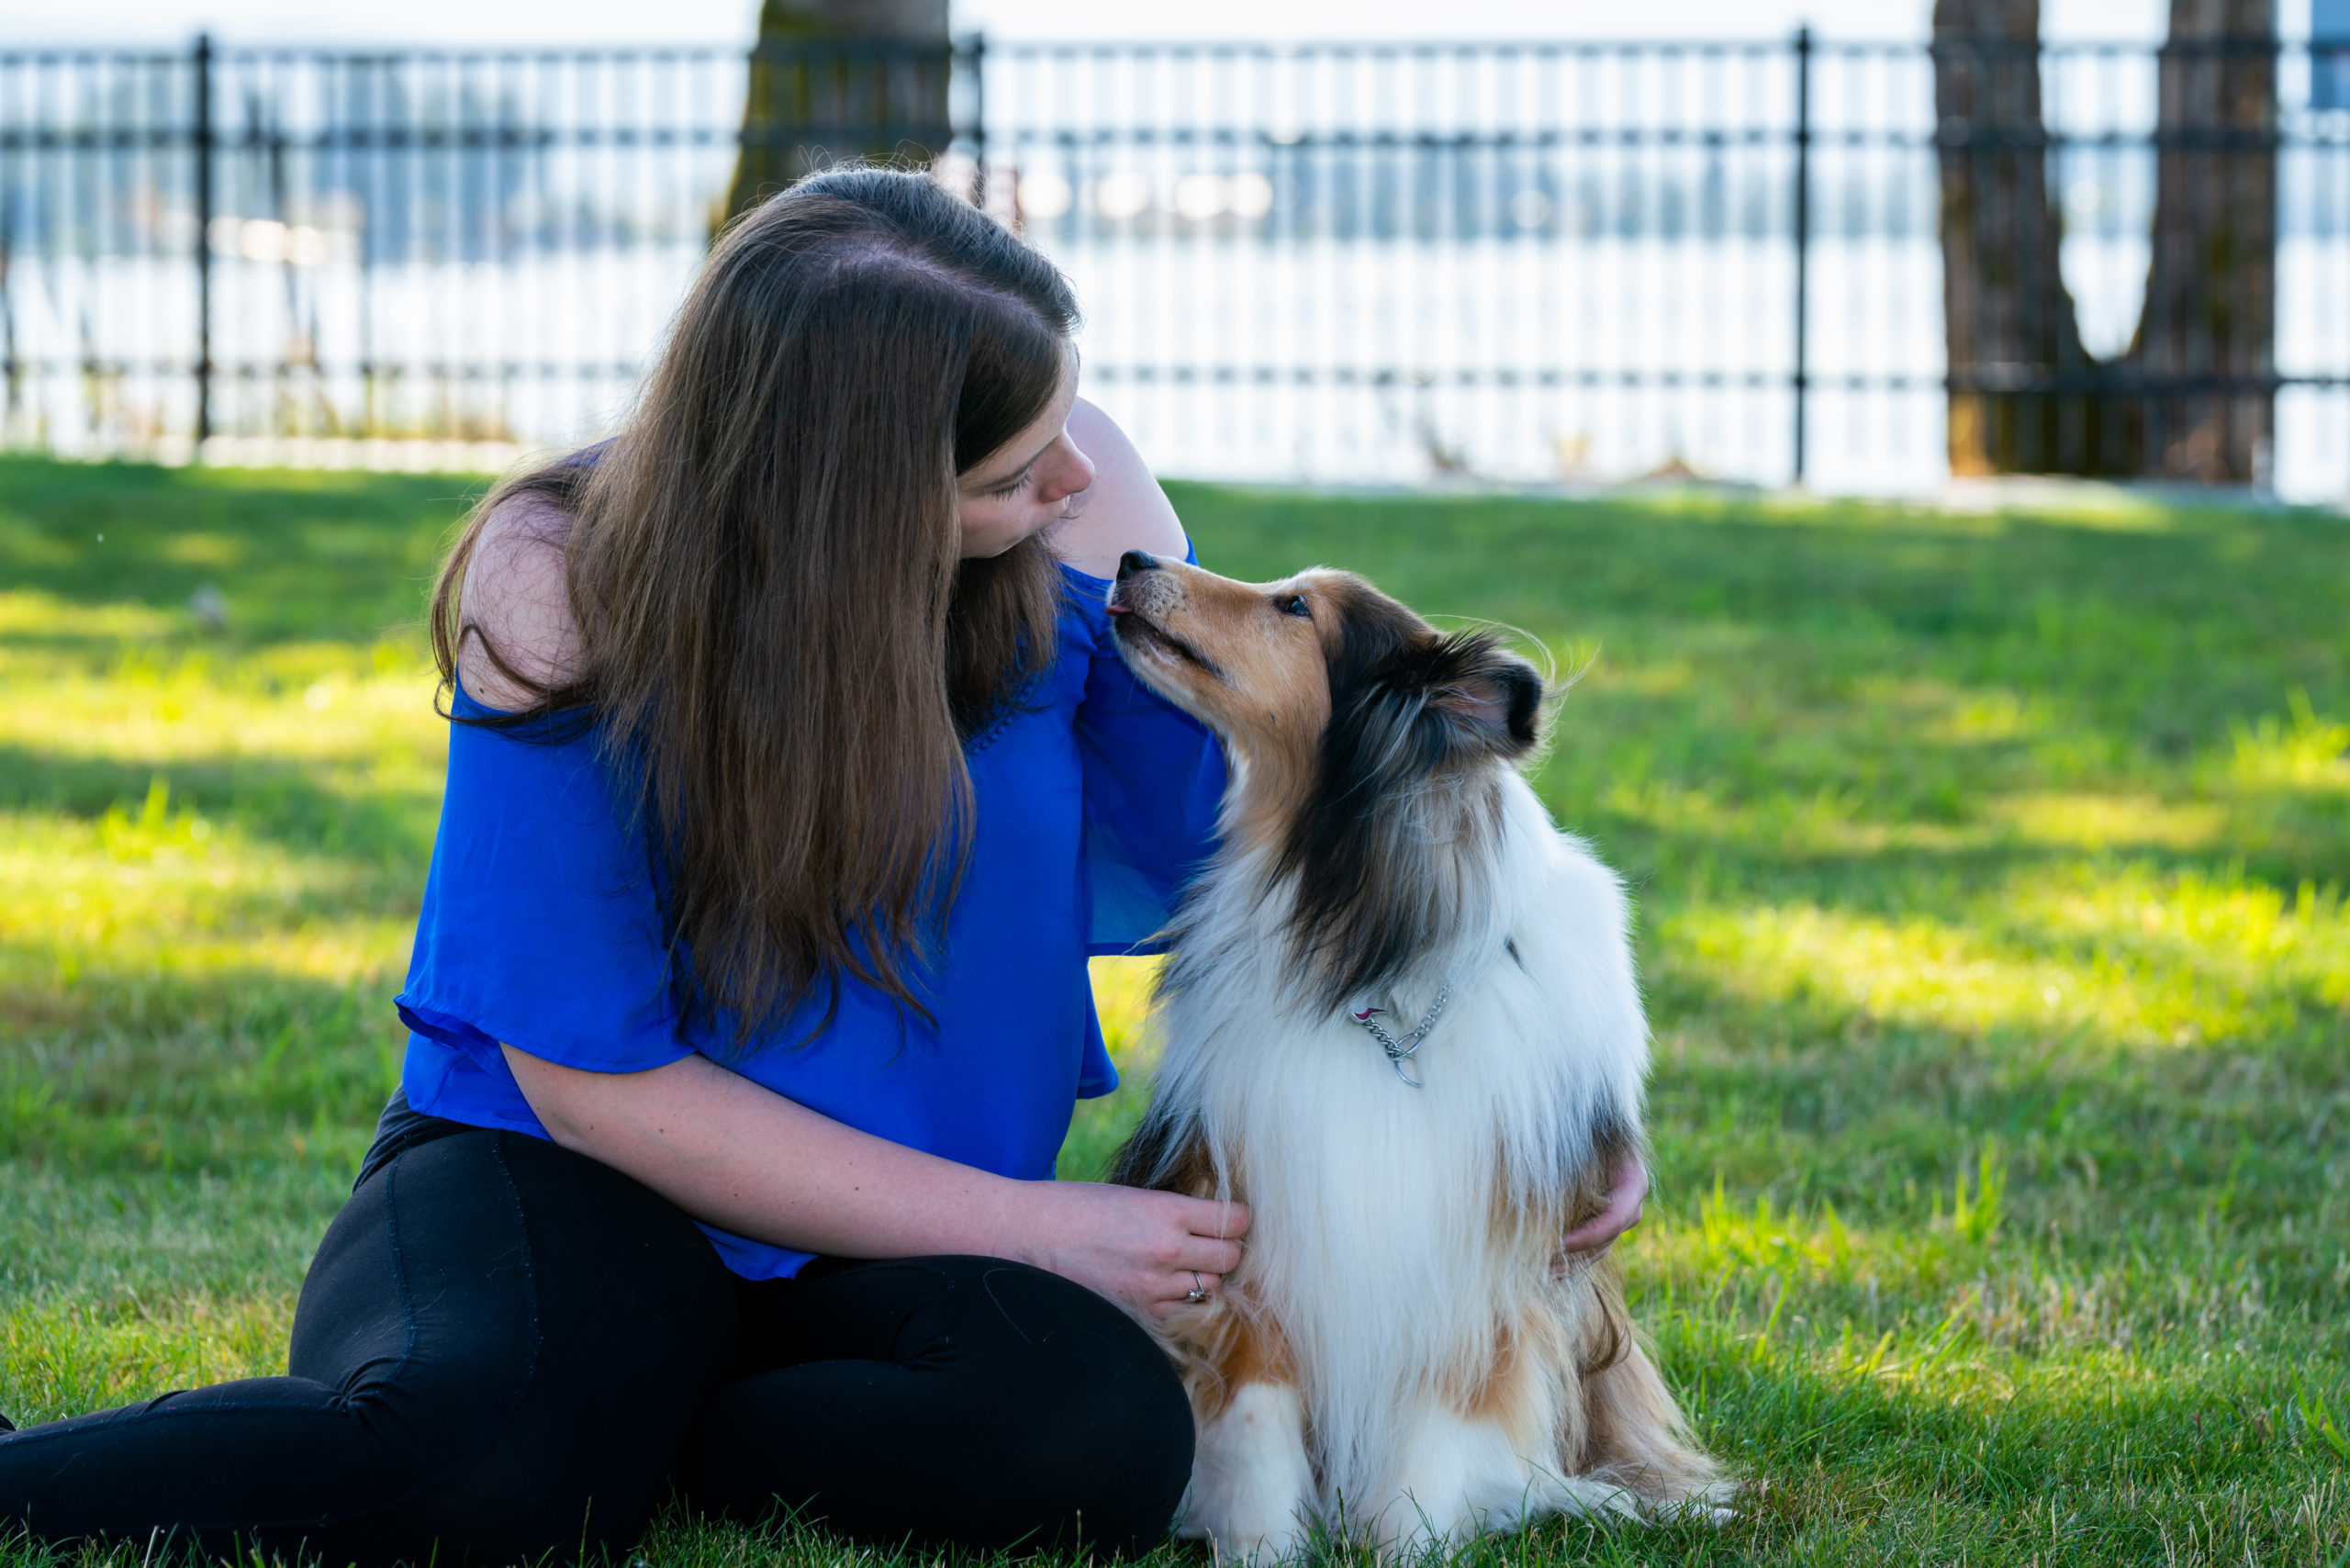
[[200, 149], [975, 53], [1803, 236]]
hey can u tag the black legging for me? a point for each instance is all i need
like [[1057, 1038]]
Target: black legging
[[504, 1348]]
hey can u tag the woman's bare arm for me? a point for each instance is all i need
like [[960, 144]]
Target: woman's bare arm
[[745, 1158], [517, 600], [1123, 510]]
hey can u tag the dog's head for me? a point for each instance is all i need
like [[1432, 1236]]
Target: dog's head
[[1348, 714], [1321, 667]]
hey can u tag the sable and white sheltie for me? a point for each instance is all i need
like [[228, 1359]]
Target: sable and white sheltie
[[1402, 1357]]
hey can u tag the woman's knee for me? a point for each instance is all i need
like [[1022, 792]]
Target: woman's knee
[[1111, 1427], [965, 1400], [524, 1336]]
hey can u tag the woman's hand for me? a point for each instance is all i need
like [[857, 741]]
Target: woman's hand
[[1146, 1251], [1597, 1234]]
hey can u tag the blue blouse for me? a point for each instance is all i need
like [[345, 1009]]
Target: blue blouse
[[1095, 798]]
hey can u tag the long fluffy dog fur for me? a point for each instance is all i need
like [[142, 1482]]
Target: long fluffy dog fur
[[1402, 1357]]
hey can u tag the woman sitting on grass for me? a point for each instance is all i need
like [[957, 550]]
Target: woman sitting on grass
[[793, 777]]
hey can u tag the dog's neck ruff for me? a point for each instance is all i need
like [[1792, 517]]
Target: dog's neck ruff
[[1403, 1050]]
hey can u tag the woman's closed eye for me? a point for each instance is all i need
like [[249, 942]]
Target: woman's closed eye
[[1013, 486]]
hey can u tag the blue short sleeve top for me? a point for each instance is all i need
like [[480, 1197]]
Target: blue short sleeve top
[[540, 929]]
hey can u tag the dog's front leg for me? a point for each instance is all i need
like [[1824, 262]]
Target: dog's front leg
[[1252, 1485]]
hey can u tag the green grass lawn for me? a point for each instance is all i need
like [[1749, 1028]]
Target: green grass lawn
[[1990, 873]]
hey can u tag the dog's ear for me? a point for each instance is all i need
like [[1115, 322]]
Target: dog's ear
[[1489, 699]]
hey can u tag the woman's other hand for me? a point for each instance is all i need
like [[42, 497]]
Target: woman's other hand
[[1597, 1234], [1146, 1251]]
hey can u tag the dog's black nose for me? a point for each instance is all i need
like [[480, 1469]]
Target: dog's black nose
[[1135, 561]]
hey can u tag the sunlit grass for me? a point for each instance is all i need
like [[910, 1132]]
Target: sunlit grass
[[1122, 998], [2132, 955], [1989, 873], [84, 1360]]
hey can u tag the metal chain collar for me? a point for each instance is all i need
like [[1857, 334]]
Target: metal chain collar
[[1401, 1051]]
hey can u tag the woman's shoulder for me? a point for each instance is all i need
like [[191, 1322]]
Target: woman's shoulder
[[517, 600], [1123, 510]]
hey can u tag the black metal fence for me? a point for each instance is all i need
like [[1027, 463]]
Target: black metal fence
[[1343, 263]]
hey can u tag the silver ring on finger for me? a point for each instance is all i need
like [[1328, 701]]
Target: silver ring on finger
[[1198, 1292]]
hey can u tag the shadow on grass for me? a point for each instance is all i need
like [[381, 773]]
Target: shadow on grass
[[1934, 576], [1929, 1454], [1817, 1100], [281, 803], [2161, 636], [296, 555], [163, 1071]]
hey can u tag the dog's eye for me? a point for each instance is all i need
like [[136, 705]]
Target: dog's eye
[[1292, 604]]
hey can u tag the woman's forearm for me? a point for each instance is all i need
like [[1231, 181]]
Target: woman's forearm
[[748, 1161]]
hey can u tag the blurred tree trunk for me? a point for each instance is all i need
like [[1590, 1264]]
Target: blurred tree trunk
[[2209, 319], [2007, 314], [833, 80], [2192, 398]]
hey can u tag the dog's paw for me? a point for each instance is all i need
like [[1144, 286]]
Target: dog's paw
[[1263, 1550], [1233, 1543], [1714, 1504], [1252, 1485]]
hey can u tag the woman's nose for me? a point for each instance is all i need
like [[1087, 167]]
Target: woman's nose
[[1072, 474]]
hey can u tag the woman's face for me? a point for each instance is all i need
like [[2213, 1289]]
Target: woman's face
[[1024, 485]]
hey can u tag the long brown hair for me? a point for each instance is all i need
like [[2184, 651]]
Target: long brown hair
[[781, 649]]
